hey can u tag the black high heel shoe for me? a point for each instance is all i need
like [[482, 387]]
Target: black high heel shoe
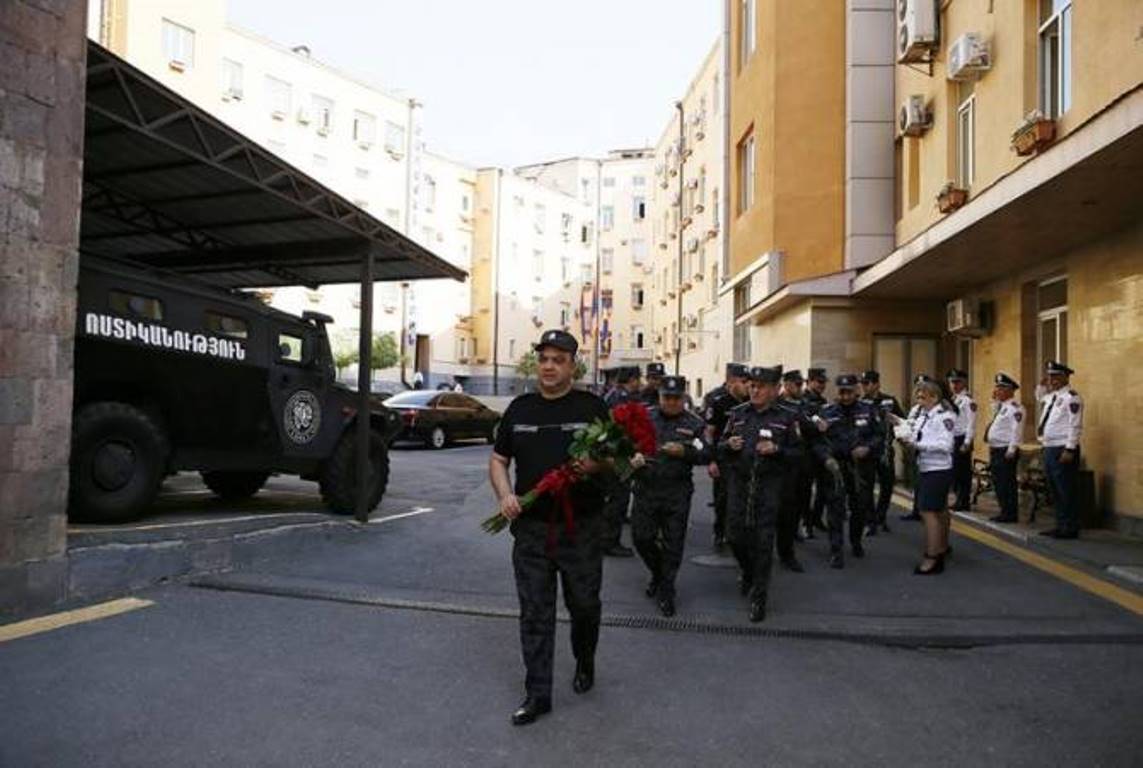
[[938, 566]]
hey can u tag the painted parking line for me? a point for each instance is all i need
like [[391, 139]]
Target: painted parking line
[[183, 523], [388, 518], [68, 618], [1074, 576]]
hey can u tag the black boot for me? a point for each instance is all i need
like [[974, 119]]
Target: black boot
[[652, 587], [584, 676], [667, 604], [757, 611], [531, 709]]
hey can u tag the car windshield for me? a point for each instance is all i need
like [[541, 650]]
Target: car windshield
[[415, 397]]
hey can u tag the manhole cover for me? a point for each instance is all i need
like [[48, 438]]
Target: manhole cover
[[715, 561]]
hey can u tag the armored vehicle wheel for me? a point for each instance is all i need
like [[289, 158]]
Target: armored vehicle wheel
[[233, 486], [118, 459], [338, 481], [437, 439]]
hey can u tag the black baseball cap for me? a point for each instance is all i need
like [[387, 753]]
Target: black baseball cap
[[736, 370], [558, 339], [816, 374], [673, 386], [656, 369], [871, 377], [846, 381]]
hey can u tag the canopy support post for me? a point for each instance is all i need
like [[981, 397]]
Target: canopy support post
[[364, 386]]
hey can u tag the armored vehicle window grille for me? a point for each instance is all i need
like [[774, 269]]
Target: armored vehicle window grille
[[225, 325], [290, 348], [133, 305]]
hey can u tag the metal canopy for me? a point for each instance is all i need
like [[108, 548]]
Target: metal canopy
[[167, 185]]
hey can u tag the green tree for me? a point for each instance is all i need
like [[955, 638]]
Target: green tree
[[528, 365], [580, 369], [385, 354], [344, 357]]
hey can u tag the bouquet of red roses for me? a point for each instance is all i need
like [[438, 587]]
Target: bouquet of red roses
[[614, 440]]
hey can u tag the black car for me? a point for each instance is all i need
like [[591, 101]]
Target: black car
[[437, 418]]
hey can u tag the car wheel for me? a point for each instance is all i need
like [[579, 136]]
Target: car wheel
[[338, 479], [118, 459], [234, 486], [438, 438]]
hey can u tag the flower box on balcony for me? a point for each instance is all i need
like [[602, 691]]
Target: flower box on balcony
[[1033, 135], [951, 197]]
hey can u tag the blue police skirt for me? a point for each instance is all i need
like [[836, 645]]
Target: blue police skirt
[[933, 490]]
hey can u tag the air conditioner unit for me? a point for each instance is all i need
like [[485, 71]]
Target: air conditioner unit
[[916, 29], [966, 317], [914, 117], [303, 116], [969, 57]]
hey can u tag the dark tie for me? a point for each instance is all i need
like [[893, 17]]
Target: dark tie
[[995, 416], [1044, 418]]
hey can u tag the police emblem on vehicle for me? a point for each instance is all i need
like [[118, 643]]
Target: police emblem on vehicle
[[302, 417]]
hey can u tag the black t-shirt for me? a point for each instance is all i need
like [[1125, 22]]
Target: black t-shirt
[[536, 433]]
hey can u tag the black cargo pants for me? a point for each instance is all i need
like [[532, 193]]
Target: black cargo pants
[[752, 528], [659, 532], [720, 495], [858, 477], [886, 472], [578, 562], [615, 511], [795, 505]]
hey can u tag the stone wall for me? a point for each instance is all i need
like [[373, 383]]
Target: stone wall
[[42, 67]]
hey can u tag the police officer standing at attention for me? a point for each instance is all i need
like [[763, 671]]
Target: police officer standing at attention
[[618, 492], [655, 373], [963, 435], [815, 400], [759, 442], [1060, 429], [1003, 438], [663, 489], [851, 448], [535, 432], [885, 405], [716, 407]]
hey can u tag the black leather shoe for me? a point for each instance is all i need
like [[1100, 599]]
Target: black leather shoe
[[837, 560], [584, 676], [667, 605], [792, 564], [530, 710], [652, 588], [757, 611], [858, 550], [911, 516], [619, 550]]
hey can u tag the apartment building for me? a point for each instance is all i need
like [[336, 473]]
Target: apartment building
[[692, 324], [1017, 208]]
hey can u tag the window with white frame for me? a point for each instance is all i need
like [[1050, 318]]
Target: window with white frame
[[638, 251], [565, 268], [746, 32], [464, 203], [636, 295], [638, 338], [565, 313], [607, 259], [394, 138], [1052, 325], [537, 307], [323, 114], [429, 191], [539, 217], [746, 173], [607, 218], [364, 129], [1055, 57], [178, 45], [231, 79], [278, 97], [538, 264], [586, 273], [638, 208], [966, 139]]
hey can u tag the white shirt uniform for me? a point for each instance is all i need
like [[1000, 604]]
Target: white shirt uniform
[[932, 436], [1007, 425], [1061, 419], [966, 418]]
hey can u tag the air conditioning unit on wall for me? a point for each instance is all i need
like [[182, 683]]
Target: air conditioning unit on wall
[[969, 57], [916, 30], [914, 118], [968, 317]]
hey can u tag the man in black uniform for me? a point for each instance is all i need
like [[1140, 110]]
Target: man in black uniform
[[619, 492], [655, 373], [883, 404], [716, 406], [663, 490], [536, 432], [814, 399], [853, 441], [796, 502], [759, 441]]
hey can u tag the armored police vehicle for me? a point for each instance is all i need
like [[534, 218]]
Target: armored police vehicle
[[174, 375]]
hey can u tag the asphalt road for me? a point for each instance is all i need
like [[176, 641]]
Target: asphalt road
[[393, 644]]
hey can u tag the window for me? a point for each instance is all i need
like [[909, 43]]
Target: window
[[565, 313], [714, 284], [539, 217], [361, 173], [231, 79], [323, 114], [608, 181], [1055, 57], [1052, 326], [714, 209], [278, 97], [965, 141], [394, 138], [605, 299], [746, 31], [565, 268], [430, 193], [637, 337], [607, 218], [746, 173], [639, 208], [586, 273], [178, 45], [741, 341], [135, 306], [638, 250], [464, 203], [585, 233], [607, 259], [538, 264], [537, 306], [511, 349], [637, 296], [290, 348], [364, 129], [638, 181], [225, 325]]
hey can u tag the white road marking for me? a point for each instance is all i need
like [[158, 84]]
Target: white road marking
[[180, 523], [416, 511]]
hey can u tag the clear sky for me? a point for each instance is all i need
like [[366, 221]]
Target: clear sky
[[509, 82]]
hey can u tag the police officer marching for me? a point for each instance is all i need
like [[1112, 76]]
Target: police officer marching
[[650, 393], [759, 441], [1003, 438], [1059, 430], [886, 406], [963, 435], [796, 504], [619, 492], [535, 433], [663, 488], [716, 407], [815, 400]]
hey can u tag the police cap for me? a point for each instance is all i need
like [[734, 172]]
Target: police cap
[[766, 375], [1004, 380], [656, 369], [957, 374], [557, 339], [736, 370], [793, 375], [816, 374], [674, 386], [871, 377], [846, 381], [1056, 368], [923, 378]]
